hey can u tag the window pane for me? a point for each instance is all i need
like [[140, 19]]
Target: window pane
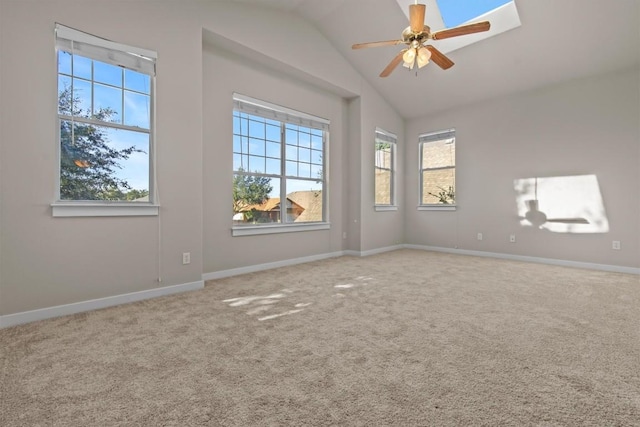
[[64, 95], [240, 162], [316, 157], [256, 147], [304, 200], [383, 187], [316, 141], [107, 73], [240, 144], [291, 136], [236, 123], [316, 172], [438, 186], [273, 133], [81, 67], [304, 170], [266, 155], [107, 103], [292, 168], [439, 154], [273, 166], [384, 172], [304, 139], [256, 164], [304, 155], [273, 150], [81, 98], [137, 81], [64, 62], [383, 155], [256, 129], [137, 110], [292, 152], [101, 163], [255, 200]]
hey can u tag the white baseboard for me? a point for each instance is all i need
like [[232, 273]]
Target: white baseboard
[[268, 266], [79, 307], [374, 251], [94, 304], [551, 261]]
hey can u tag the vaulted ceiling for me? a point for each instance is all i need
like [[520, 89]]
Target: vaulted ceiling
[[557, 41]]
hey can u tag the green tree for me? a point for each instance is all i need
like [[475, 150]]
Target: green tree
[[87, 162], [445, 196], [250, 190]]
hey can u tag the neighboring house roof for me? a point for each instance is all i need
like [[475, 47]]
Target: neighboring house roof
[[269, 205], [312, 203]]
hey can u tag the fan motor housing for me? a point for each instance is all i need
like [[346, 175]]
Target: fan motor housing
[[408, 36]]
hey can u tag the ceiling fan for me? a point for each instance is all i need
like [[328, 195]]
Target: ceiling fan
[[416, 37], [537, 218]]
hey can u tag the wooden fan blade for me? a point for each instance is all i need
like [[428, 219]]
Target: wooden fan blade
[[461, 31], [393, 64], [377, 44], [416, 17], [439, 58]]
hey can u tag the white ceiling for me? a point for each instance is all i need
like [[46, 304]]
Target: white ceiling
[[558, 40]]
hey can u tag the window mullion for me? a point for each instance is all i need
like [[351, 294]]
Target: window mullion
[[283, 169]]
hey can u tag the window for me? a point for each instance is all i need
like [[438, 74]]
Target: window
[[385, 157], [279, 167], [105, 122], [438, 169]]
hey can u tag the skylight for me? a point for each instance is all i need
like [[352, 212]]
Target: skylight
[[457, 12], [442, 14]]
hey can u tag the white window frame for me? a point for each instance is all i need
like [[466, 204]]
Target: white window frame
[[385, 137], [129, 57], [427, 138], [253, 106]]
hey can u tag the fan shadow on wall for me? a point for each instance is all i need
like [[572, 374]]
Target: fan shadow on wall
[[561, 204]]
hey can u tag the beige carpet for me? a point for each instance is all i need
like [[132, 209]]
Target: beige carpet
[[406, 338]]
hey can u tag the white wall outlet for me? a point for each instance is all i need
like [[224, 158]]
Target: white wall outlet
[[512, 238], [479, 236], [186, 258], [344, 234], [616, 245]]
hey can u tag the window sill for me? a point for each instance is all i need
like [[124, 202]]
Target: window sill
[[437, 207], [385, 208], [251, 230], [62, 209]]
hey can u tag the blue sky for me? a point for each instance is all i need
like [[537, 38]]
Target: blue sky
[[456, 12], [124, 91]]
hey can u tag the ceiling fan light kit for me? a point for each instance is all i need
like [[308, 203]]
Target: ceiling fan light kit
[[416, 37]]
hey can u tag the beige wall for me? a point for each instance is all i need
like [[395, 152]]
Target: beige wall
[[223, 75], [587, 126], [379, 228], [581, 127], [48, 261]]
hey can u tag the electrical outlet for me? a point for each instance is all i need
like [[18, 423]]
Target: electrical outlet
[[479, 236], [344, 234], [512, 238], [616, 245], [186, 258]]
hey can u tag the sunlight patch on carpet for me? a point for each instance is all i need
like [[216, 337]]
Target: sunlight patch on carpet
[[286, 313], [235, 302]]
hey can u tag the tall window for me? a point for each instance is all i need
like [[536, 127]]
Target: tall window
[[278, 163], [438, 168], [105, 101], [385, 157]]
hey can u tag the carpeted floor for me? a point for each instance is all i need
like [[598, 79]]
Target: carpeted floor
[[405, 338]]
